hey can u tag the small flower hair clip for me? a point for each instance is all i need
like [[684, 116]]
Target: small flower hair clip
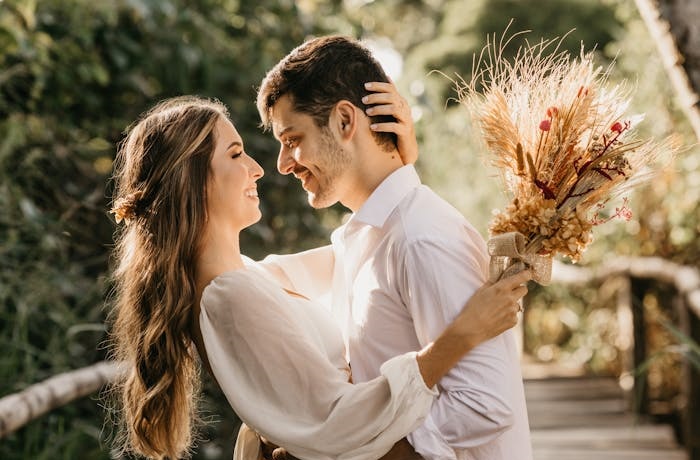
[[126, 208]]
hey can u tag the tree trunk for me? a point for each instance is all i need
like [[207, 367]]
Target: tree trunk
[[675, 27], [684, 18]]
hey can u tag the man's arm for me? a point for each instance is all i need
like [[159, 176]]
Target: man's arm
[[475, 404]]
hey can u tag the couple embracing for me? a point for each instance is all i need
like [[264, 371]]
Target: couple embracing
[[387, 342]]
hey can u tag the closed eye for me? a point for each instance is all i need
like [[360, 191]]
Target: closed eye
[[291, 142], [237, 148]]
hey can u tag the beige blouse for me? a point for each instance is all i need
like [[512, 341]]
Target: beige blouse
[[280, 361]]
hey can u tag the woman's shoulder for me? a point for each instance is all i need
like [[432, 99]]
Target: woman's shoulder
[[236, 287]]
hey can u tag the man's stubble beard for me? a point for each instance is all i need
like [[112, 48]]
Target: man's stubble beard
[[335, 162]]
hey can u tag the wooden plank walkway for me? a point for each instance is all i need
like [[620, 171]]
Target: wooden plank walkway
[[583, 418]]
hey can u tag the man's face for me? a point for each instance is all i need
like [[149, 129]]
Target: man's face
[[311, 153]]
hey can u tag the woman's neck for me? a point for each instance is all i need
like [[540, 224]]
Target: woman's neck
[[219, 252]]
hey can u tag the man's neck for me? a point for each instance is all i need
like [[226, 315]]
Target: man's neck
[[373, 168]]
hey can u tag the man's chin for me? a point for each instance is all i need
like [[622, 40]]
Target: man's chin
[[318, 202]]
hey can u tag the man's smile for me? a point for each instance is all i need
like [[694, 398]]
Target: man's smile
[[303, 175]]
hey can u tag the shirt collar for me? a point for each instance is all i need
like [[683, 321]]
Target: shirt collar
[[387, 196]]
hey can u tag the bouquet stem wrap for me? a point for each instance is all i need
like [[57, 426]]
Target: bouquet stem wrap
[[508, 257]]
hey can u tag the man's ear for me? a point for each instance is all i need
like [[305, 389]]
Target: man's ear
[[343, 119]]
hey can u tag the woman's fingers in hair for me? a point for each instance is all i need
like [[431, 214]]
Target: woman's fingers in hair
[[386, 100], [375, 99], [380, 86], [389, 109], [389, 127]]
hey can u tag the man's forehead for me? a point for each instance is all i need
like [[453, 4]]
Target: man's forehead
[[278, 115], [279, 126], [284, 118]]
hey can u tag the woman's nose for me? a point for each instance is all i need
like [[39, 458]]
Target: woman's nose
[[256, 170]]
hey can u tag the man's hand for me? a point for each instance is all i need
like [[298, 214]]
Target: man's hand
[[281, 454], [272, 451], [402, 450]]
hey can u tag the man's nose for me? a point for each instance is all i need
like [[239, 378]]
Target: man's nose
[[285, 161]]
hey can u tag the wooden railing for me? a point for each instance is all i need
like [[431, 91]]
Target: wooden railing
[[636, 275], [18, 409]]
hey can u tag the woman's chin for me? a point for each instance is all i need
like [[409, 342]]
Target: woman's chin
[[255, 219]]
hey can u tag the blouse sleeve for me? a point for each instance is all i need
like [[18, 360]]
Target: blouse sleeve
[[309, 272], [281, 385]]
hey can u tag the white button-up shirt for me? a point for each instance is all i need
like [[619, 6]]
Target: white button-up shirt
[[404, 266]]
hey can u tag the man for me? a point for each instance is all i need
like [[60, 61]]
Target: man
[[406, 261]]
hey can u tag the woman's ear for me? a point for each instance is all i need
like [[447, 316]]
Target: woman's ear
[[343, 119]]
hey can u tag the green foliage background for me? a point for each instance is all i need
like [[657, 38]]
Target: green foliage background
[[75, 73]]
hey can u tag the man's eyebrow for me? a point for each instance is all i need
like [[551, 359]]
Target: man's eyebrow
[[284, 131]]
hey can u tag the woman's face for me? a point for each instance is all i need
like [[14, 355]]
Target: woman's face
[[232, 194]]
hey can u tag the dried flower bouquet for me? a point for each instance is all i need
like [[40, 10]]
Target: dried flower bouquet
[[559, 135]]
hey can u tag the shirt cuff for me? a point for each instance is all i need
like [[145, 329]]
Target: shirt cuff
[[402, 372], [429, 442]]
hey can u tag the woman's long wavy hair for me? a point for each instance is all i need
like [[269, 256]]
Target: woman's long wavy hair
[[160, 179]]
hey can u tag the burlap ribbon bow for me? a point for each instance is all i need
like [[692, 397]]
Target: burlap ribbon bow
[[508, 258]]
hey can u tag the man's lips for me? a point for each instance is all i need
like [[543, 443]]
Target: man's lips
[[303, 175]]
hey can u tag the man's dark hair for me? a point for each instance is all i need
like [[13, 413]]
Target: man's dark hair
[[318, 74]]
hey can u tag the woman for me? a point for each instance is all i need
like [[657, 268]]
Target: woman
[[186, 188]]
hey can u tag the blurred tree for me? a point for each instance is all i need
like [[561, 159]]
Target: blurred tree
[[684, 19], [666, 219]]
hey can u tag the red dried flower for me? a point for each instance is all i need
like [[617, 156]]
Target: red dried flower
[[626, 213], [552, 111], [617, 127], [545, 125]]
